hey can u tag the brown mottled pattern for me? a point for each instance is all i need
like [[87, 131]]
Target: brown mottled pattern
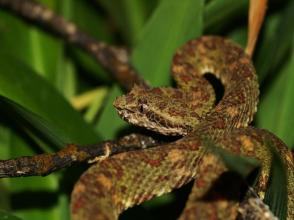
[[127, 179]]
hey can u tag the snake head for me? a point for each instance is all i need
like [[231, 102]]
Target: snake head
[[132, 106], [164, 110]]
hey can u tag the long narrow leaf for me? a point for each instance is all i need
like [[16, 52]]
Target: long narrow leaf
[[276, 194], [21, 85], [172, 24], [240, 164], [218, 14], [273, 52], [276, 108]]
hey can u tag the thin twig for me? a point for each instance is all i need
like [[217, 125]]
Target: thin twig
[[44, 164], [114, 59]]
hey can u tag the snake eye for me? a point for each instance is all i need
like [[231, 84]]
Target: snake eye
[[143, 108]]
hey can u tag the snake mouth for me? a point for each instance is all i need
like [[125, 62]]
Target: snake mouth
[[126, 114], [135, 118], [153, 123]]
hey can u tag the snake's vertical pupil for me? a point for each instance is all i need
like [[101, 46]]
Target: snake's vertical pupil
[[142, 107]]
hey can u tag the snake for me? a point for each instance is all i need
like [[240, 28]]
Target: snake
[[191, 113]]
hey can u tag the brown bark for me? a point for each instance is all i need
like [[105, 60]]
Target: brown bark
[[44, 164]]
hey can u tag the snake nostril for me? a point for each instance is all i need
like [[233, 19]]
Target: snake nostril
[[217, 86]]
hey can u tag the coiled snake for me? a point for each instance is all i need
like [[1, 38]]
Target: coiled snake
[[127, 179]]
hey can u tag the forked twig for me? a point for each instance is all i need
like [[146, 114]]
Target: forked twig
[[44, 164]]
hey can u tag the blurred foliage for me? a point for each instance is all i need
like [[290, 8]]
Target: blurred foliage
[[40, 75]]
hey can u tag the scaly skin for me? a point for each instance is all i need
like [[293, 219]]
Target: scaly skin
[[127, 179]]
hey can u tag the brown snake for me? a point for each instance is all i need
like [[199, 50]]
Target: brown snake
[[127, 179]]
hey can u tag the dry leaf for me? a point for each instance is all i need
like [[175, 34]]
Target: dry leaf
[[256, 16]]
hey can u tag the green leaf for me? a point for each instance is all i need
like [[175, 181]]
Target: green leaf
[[21, 85], [96, 104], [7, 216], [276, 108], [129, 16], [30, 121], [38, 49], [219, 13], [32, 189], [109, 123], [41, 51], [240, 164], [45, 55], [160, 201], [172, 24], [276, 193], [274, 49], [90, 20], [239, 36], [86, 17]]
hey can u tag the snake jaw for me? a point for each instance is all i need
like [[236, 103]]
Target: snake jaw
[[138, 111], [151, 123]]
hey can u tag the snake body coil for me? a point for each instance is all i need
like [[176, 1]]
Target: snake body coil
[[131, 178]]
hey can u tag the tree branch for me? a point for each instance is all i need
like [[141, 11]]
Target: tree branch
[[113, 59], [44, 164]]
